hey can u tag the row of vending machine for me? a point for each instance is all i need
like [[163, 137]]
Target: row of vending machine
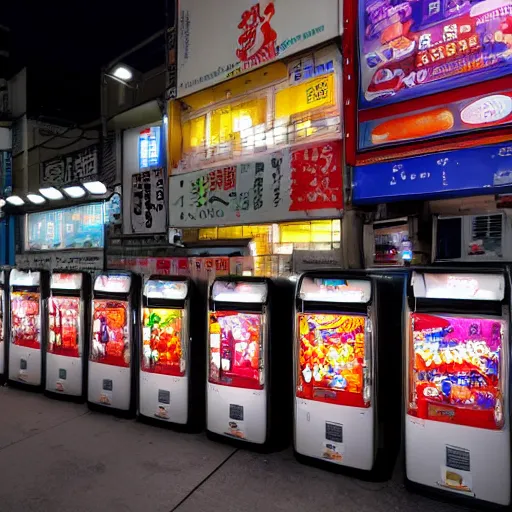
[[351, 365]]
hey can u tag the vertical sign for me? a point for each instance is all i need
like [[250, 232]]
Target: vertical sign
[[149, 147], [148, 202]]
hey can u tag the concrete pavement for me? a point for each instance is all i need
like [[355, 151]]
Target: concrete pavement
[[59, 457]]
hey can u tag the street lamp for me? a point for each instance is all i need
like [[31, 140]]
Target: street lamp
[[123, 73]]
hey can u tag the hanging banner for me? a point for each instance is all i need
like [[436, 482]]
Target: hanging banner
[[92, 260], [416, 47], [148, 202], [462, 116], [291, 184], [219, 39], [461, 173]]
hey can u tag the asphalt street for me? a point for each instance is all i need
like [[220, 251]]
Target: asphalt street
[[59, 457]]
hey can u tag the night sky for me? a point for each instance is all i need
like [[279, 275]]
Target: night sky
[[66, 43]]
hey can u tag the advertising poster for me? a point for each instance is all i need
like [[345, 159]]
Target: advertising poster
[[220, 39], [290, 184], [412, 48], [480, 112], [456, 370], [148, 214], [458, 173]]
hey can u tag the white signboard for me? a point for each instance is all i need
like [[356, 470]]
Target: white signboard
[[64, 260], [218, 39], [284, 185], [148, 213]]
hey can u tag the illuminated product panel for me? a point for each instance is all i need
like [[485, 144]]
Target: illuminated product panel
[[331, 358], [64, 326], [454, 373], [26, 319], [162, 342], [236, 349], [110, 333]]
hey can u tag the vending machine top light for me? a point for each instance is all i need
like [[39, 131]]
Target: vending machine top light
[[323, 289], [167, 288], [2, 277], [240, 290], [113, 283], [24, 278], [66, 281]]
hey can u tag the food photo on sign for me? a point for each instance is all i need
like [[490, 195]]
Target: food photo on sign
[[413, 48]]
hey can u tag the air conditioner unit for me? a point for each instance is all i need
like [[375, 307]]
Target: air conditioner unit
[[470, 238]]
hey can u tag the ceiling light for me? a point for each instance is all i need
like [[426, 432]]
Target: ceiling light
[[2, 203], [51, 193], [123, 73], [95, 187], [15, 200], [74, 192], [36, 198]]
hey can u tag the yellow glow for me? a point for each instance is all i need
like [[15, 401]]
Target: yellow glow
[[194, 133], [208, 234], [317, 92], [230, 232]]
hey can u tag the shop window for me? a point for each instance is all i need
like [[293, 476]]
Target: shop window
[[79, 227], [194, 134]]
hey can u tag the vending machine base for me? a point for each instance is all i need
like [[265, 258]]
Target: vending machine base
[[64, 378], [25, 369], [111, 386]]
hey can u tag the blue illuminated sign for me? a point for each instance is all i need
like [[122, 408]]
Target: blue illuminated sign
[[149, 147], [459, 173]]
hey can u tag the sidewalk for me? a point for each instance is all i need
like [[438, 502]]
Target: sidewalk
[[59, 457]]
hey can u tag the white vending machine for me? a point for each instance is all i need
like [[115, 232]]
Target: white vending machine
[[457, 402], [168, 382], [249, 354], [66, 349], [4, 285], [347, 382], [28, 295], [115, 324]]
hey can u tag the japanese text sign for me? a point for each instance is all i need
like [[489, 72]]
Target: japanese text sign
[[412, 48], [284, 185], [148, 213]]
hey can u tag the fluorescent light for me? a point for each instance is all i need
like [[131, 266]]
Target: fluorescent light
[[123, 73], [15, 200], [95, 187], [74, 192], [51, 193], [36, 198], [2, 203]]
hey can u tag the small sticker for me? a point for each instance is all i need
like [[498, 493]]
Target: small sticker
[[106, 394], [236, 429], [236, 412], [455, 474], [59, 386], [63, 374], [162, 412], [333, 446]]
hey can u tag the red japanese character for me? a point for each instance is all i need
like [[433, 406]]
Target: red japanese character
[[229, 178], [257, 42]]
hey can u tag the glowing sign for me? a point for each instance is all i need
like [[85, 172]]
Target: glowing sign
[[335, 290], [171, 290], [412, 48], [459, 286], [61, 281], [113, 283], [149, 147], [246, 292], [22, 278]]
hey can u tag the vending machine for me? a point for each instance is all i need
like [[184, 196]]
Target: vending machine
[[113, 350], [28, 294], [66, 348], [4, 285], [249, 354], [347, 370], [172, 365], [457, 402]]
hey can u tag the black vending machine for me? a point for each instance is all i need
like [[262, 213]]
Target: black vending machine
[[4, 328]]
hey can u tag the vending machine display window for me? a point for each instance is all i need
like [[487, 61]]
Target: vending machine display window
[[26, 320], [162, 342], [455, 370], [331, 358], [2, 316], [236, 350], [64, 326], [110, 333]]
